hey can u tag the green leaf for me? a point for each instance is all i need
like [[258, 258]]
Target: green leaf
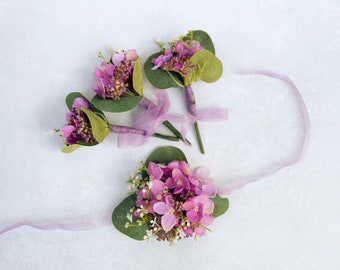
[[221, 205], [137, 80], [160, 78], [73, 95], [203, 38], [70, 148], [208, 67], [109, 105], [100, 128], [166, 154], [119, 219]]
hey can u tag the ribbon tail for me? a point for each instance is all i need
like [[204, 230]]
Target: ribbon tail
[[213, 114], [79, 226], [306, 122], [129, 140]]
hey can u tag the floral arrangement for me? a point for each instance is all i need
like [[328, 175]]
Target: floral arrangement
[[169, 199], [118, 87], [189, 58]]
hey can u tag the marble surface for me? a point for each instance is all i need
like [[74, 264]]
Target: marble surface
[[287, 221]]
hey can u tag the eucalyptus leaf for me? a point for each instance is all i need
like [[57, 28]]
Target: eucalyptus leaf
[[208, 67], [160, 78], [109, 105], [166, 154], [221, 205], [73, 95], [100, 128], [119, 219], [137, 80], [203, 38], [70, 148]]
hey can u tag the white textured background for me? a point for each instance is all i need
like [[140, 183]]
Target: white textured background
[[288, 221]]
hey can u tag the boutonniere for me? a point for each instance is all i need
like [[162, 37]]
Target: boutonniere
[[188, 59]]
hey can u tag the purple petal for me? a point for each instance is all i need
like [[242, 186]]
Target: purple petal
[[80, 103], [208, 206], [67, 131], [160, 208], [188, 205], [157, 189], [192, 216], [209, 190], [168, 221], [98, 73], [117, 58], [202, 173], [155, 170], [110, 69], [131, 55], [207, 220], [200, 231], [171, 183]]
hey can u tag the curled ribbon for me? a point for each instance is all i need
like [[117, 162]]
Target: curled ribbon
[[306, 141], [149, 120], [206, 115], [79, 226]]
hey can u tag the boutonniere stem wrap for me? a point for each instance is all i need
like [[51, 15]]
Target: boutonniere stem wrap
[[188, 59]]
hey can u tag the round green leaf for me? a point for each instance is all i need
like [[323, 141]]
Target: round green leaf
[[160, 78], [166, 154], [73, 95], [100, 128], [109, 105], [221, 205], [203, 38], [137, 80], [119, 219], [208, 67]]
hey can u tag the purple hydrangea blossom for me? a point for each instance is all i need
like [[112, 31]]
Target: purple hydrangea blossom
[[177, 199], [114, 79], [177, 57], [78, 127]]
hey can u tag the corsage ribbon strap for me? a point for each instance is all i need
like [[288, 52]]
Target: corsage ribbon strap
[[306, 122]]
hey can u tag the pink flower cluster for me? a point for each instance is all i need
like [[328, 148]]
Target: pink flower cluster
[[178, 200], [78, 128], [114, 79], [176, 58]]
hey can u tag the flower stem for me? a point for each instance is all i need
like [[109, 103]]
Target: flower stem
[[198, 134], [175, 132], [124, 129], [165, 137], [191, 107]]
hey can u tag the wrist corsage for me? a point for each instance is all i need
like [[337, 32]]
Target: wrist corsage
[[169, 200]]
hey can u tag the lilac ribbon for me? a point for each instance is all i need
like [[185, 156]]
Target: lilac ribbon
[[228, 190], [79, 226], [149, 120], [158, 113], [206, 115]]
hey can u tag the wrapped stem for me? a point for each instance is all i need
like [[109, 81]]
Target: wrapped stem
[[191, 107], [124, 129]]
